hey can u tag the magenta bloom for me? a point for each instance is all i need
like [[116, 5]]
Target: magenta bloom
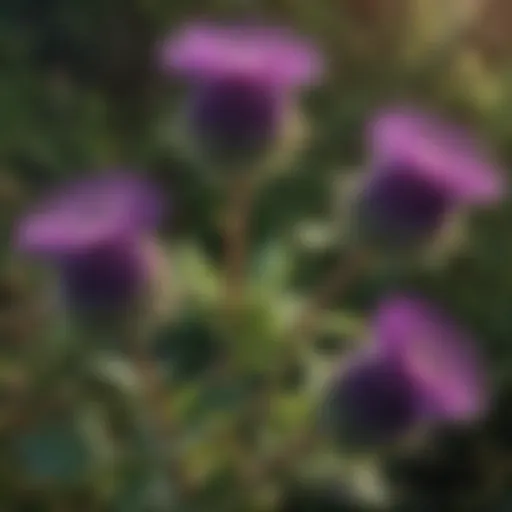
[[441, 357], [267, 55], [422, 369], [243, 77], [443, 155], [93, 230], [423, 170]]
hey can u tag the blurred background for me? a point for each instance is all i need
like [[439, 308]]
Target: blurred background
[[80, 90]]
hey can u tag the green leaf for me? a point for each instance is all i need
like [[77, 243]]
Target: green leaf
[[189, 347], [272, 267], [67, 451], [343, 324], [199, 276], [147, 492]]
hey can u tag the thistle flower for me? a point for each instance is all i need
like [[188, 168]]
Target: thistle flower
[[423, 174], [422, 370], [440, 356], [244, 82], [95, 231]]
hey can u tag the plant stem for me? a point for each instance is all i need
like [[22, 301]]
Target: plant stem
[[159, 404], [236, 230]]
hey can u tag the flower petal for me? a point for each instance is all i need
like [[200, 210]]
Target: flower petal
[[273, 55], [438, 354], [443, 153], [89, 212]]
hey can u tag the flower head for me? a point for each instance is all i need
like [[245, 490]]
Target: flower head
[[94, 230], [422, 173], [441, 154], [266, 55], [88, 213], [421, 369], [440, 356], [244, 78]]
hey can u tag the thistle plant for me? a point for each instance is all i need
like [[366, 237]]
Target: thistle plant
[[170, 390], [244, 86]]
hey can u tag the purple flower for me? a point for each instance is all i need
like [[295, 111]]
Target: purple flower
[[422, 369], [243, 78], [422, 172], [440, 356], [95, 231], [269, 55], [444, 155]]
